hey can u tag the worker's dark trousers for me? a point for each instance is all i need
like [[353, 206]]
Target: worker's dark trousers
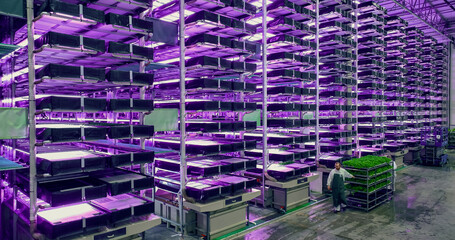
[[338, 196], [338, 190]]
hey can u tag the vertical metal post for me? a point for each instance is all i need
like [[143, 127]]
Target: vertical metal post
[[447, 106], [242, 114], [356, 76], [241, 98], [318, 152], [110, 115], [142, 96], [182, 112], [349, 101], [381, 113], [14, 141], [31, 113], [401, 112], [13, 63], [265, 154]]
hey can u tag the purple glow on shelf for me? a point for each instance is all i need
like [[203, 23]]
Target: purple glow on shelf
[[69, 213], [66, 155], [225, 55]]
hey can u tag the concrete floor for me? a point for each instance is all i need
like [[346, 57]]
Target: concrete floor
[[423, 208]]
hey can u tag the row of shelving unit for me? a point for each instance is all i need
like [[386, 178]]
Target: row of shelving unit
[[186, 111], [336, 100], [84, 177], [414, 92], [203, 184], [396, 88], [287, 138], [371, 76]]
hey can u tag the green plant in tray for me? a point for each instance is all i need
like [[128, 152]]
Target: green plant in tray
[[383, 169], [372, 180], [366, 162], [356, 188]]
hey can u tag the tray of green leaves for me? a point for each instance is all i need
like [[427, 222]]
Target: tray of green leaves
[[367, 163], [380, 185], [369, 182], [371, 173], [382, 170], [368, 189]]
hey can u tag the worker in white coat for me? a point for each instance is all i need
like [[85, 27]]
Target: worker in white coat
[[335, 182]]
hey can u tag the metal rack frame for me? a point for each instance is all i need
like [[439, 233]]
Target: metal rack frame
[[32, 123], [32, 113], [182, 77], [368, 204]]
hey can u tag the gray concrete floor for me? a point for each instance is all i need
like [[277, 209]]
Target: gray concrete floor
[[423, 207]]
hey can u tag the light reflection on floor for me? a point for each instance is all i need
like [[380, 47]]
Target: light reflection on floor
[[423, 208]]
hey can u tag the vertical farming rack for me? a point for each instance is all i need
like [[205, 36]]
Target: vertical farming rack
[[186, 111]]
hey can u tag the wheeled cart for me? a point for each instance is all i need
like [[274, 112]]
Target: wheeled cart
[[212, 219]]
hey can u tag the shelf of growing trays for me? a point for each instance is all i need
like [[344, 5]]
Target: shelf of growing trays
[[219, 54], [415, 92], [88, 179], [337, 93], [102, 68], [291, 90], [371, 86], [372, 184], [395, 89]]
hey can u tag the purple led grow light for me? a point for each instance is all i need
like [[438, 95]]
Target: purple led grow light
[[218, 47], [295, 11], [70, 220], [121, 7], [207, 45]]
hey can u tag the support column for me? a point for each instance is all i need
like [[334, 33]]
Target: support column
[[451, 85], [31, 114], [318, 150], [265, 154], [182, 114]]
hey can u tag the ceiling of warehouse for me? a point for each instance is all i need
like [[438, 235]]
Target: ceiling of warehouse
[[439, 14]]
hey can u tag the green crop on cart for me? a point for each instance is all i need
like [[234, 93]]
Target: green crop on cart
[[380, 185], [358, 180], [371, 189], [371, 181], [366, 162], [382, 169], [357, 188], [374, 172], [357, 173], [382, 176]]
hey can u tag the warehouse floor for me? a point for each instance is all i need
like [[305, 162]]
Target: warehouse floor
[[423, 208]]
